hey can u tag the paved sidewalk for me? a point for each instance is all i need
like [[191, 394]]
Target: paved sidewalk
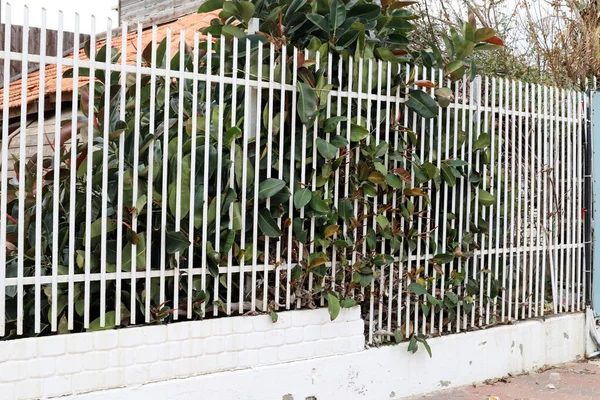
[[576, 381]]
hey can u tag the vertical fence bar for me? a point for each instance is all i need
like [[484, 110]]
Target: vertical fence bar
[[256, 135], [472, 106], [292, 181], [335, 193], [337, 189], [245, 159], [136, 161], [436, 214], [545, 199], [165, 179], [192, 219], [388, 121], [484, 210], [38, 174], [22, 129], [562, 204], [89, 175], [335, 197], [519, 223], [73, 182], [572, 199], [150, 193], [491, 249], [463, 107], [531, 135], [447, 207], [313, 184], [219, 172], [478, 132], [121, 162], [303, 145], [561, 231], [507, 218], [375, 210], [512, 272], [524, 164], [234, 88], [454, 195], [348, 137], [555, 210], [498, 181], [407, 321], [554, 261], [539, 206], [56, 174], [396, 132], [4, 179], [270, 150], [282, 62], [179, 170], [580, 212], [418, 253], [205, 205], [104, 200]]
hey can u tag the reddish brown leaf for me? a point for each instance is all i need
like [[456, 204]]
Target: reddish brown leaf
[[425, 84], [495, 40], [331, 230], [414, 192], [402, 173]]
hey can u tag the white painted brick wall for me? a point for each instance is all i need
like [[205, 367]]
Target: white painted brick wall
[[61, 365]]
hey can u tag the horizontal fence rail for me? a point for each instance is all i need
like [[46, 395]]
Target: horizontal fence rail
[[199, 177]]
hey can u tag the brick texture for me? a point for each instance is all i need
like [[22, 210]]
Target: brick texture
[[69, 364]]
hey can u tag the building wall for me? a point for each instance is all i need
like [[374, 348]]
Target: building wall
[[84, 362], [303, 355], [150, 12], [386, 373], [31, 137]]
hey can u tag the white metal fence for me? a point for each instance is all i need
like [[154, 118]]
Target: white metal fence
[[89, 240]]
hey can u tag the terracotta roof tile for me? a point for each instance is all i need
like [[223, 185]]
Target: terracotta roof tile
[[189, 24]]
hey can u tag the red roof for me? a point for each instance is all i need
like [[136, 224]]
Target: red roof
[[189, 24]]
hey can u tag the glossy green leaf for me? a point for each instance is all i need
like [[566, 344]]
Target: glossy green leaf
[[483, 34], [318, 204], [302, 197], [422, 103], [346, 209], [441, 259], [326, 150], [270, 187], [337, 14], [307, 103], [333, 305], [338, 141], [319, 21], [177, 241], [486, 198], [417, 288], [246, 10], [267, 224], [332, 123], [358, 133], [210, 5]]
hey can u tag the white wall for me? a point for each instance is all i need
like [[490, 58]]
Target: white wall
[[83, 362], [385, 373], [250, 358]]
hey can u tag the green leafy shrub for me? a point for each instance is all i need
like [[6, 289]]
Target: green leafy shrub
[[366, 164]]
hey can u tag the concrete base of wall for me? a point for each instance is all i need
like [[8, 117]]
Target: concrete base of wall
[[385, 373]]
